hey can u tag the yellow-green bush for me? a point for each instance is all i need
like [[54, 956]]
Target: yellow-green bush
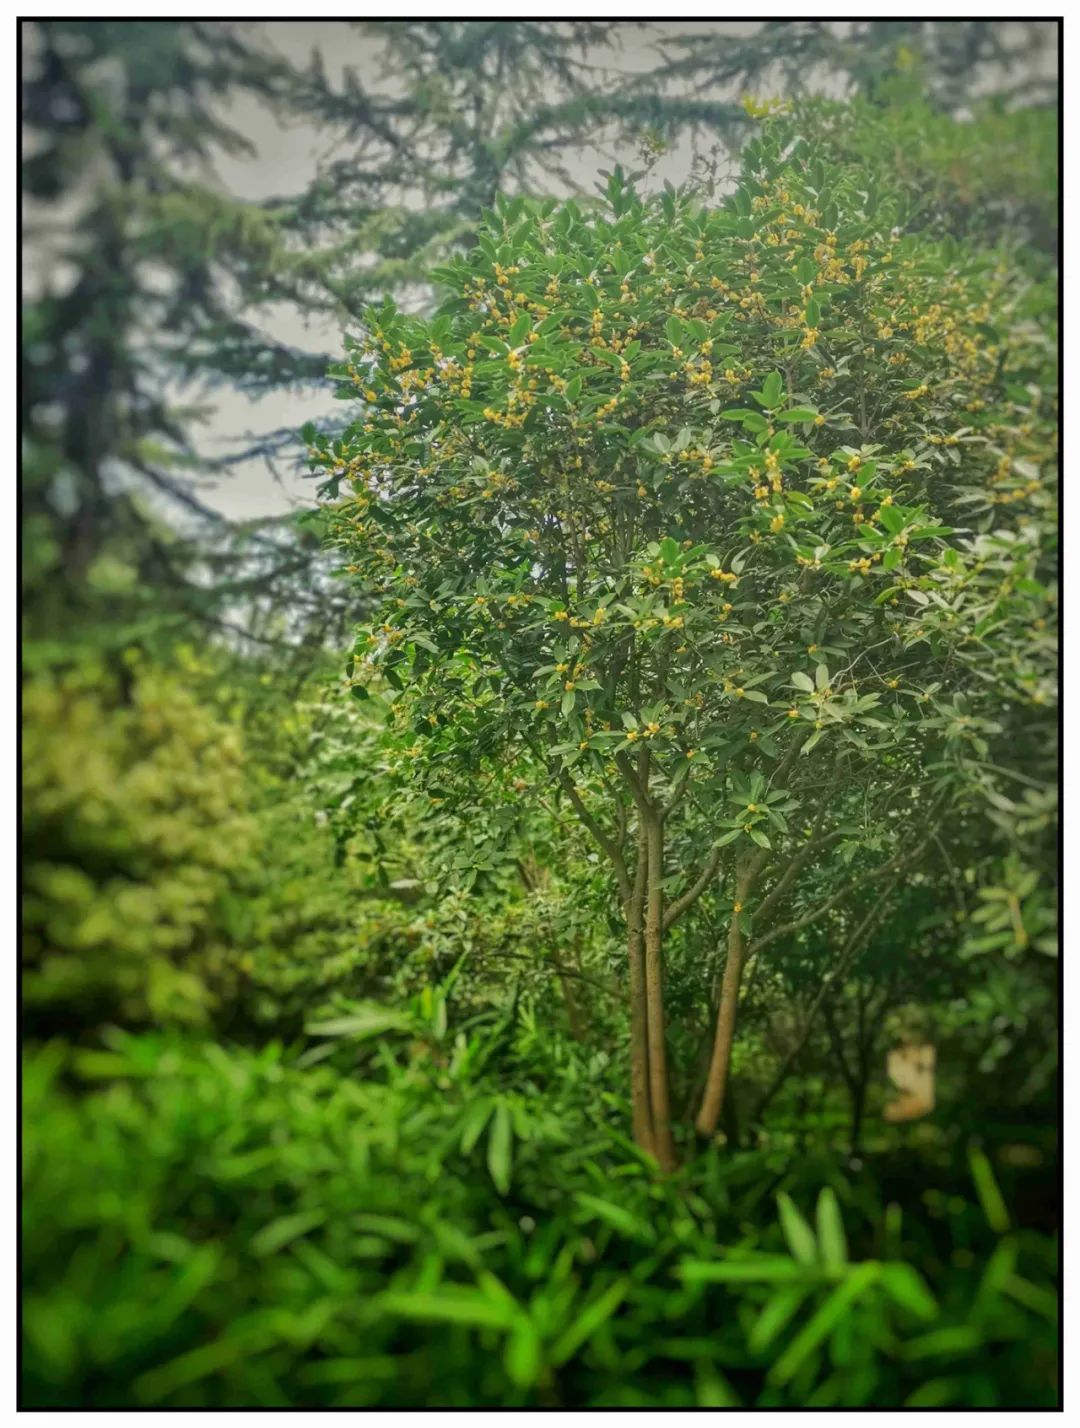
[[135, 814]]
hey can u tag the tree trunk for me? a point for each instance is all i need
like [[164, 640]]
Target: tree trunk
[[712, 1103], [654, 993], [641, 1106]]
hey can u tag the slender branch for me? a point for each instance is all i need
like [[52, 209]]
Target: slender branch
[[701, 882], [837, 970], [638, 781], [712, 862], [609, 846], [620, 813], [795, 866], [899, 861], [559, 968], [789, 757]]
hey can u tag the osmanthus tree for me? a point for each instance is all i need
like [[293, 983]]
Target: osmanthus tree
[[656, 495]]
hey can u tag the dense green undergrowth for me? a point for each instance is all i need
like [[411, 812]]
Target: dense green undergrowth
[[381, 1156], [211, 1226]]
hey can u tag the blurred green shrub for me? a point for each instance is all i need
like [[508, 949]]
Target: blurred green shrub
[[135, 815], [222, 1228]]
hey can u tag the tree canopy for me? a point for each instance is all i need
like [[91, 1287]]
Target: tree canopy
[[696, 506]]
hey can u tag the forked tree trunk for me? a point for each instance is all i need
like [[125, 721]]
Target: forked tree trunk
[[654, 991], [712, 1102], [641, 1106]]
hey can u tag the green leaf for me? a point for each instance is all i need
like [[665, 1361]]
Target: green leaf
[[368, 1021], [521, 1357], [999, 1270], [986, 1187], [798, 414], [802, 681], [830, 1230], [451, 1304], [605, 354], [905, 1286], [279, 1233], [937, 1393], [774, 1318], [797, 1232], [581, 1330], [1040, 1301], [617, 1216], [473, 1123], [772, 389], [951, 1341], [892, 519], [517, 334], [712, 1389], [761, 1269], [822, 1323], [500, 1148]]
